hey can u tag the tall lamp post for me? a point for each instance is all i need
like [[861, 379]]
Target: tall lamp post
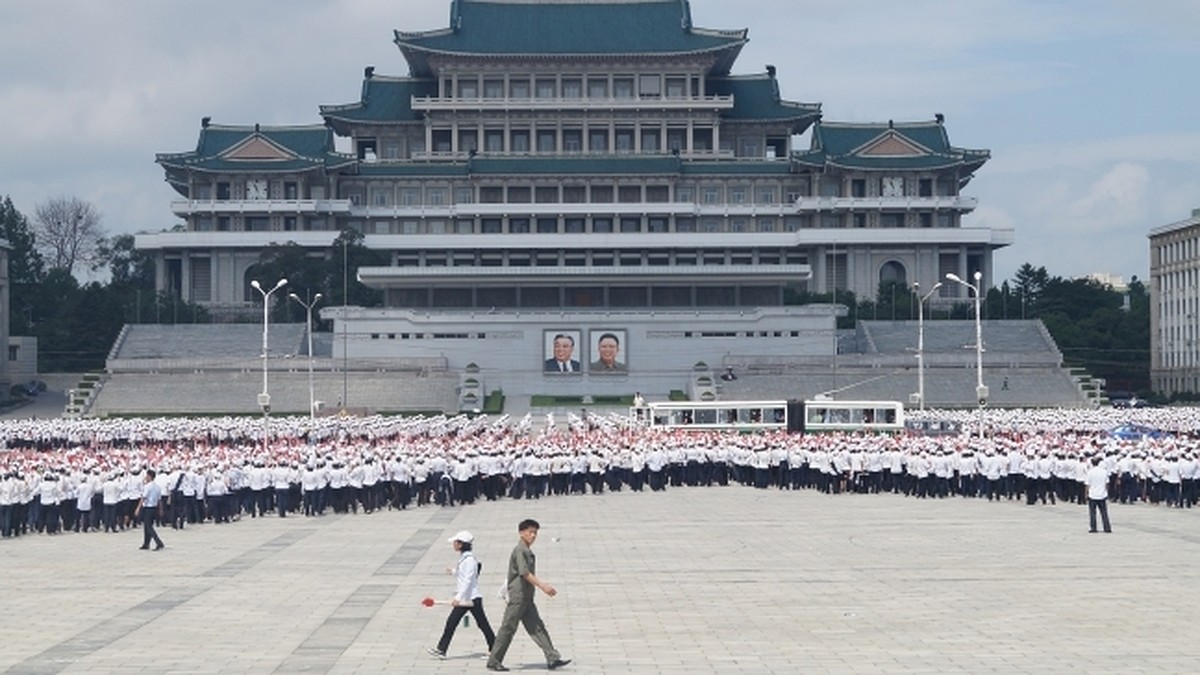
[[981, 392], [308, 308], [264, 399], [345, 327], [921, 340]]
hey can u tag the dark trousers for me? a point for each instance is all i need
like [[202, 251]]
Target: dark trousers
[[1102, 506], [456, 615], [148, 533]]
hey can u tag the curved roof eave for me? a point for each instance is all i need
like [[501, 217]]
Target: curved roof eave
[[883, 166], [339, 119], [580, 55]]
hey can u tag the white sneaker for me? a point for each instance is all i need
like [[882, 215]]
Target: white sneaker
[[436, 653]]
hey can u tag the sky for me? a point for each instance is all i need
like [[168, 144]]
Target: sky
[[1088, 107]]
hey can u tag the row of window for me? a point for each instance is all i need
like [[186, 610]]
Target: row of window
[[595, 139], [598, 258], [709, 194], [626, 297], [628, 86], [579, 224], [484, 336], [434, 195], [1179, 250]]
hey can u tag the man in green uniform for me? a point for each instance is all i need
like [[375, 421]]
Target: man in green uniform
[[522, 580]]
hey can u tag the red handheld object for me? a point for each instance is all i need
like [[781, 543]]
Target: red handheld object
[[428, 602]]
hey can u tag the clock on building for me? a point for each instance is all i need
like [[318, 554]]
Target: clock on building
[[256, 189], [892, 186]]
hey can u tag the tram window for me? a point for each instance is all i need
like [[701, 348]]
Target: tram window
[[705, 416], [868, 416]]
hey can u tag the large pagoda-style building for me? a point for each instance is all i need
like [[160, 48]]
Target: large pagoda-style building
[[586, 164]]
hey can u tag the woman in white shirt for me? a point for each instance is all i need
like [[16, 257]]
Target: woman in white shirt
[[467, 597]]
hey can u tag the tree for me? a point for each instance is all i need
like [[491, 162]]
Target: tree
[[24, 262], [349, 248], [307, 275], [67, 232], [25, 270], [127, 265], [1030, 284]]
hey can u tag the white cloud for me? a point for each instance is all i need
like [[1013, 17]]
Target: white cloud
[[1116, 198]]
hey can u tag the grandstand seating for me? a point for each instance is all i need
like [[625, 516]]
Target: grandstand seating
[[152, 341], [226, 392]]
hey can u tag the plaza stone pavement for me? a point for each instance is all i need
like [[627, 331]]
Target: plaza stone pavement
[[694, 580]]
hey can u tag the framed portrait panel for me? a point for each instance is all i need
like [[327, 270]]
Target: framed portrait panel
[[560, 351], [608, 352]]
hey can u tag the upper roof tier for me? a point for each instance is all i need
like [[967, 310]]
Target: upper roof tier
[[569, 28], [888, 146]]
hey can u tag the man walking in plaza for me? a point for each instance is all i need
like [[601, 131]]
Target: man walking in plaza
[[148, 508], [522, 582]]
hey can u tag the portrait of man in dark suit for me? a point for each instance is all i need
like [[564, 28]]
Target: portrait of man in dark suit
[[562, 353]]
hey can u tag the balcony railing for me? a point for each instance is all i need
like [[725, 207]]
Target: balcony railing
[[956, 202], [187, 207], [463, 155]]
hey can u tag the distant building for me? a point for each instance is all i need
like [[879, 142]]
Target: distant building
[[1175, 306], [580, 166], [1114, 281]]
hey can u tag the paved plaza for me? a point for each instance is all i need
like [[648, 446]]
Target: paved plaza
[[693, 580]]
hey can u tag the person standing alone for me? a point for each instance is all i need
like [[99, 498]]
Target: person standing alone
[[467, 597], [1097, 491], [147, 507], [522, 580]]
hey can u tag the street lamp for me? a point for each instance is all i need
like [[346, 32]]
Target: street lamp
[[308, 307], [264, 399], [981, 392], [345, 326], [921, 340]]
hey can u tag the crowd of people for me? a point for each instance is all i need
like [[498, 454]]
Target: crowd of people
[[88, 475]]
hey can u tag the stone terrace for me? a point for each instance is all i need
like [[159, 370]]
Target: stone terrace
[[719, 580]]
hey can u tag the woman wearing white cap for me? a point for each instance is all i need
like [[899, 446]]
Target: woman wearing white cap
[[467, 597]]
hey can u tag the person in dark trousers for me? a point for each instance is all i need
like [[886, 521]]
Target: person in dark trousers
[[147, 507], [467, 597], [522, 580]]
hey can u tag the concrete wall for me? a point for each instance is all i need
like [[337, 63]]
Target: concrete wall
[[658, 350]]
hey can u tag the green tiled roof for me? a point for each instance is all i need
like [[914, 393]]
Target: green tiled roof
[[488, 28], [756, 97], [301, 148], [384, 100], [774, 168], [411, 169], [845, 145]]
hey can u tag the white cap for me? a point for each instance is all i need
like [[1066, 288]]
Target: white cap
[[463, 536]]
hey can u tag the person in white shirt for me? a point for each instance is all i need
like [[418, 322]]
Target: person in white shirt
[[467, 597], [1097, 492]]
